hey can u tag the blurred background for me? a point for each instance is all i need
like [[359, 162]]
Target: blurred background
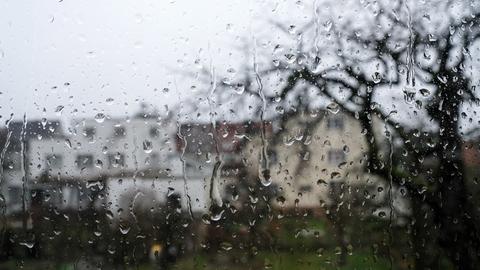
[[239, 135]]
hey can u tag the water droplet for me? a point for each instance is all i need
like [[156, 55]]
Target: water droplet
[[147, 146], [111, 249], [265, 177], [170, 191], [424, 92], [328, 25], [206, 219], [442, 79], [95, 184], [290, 58], [292, 29], [226, 246], [281, 200], [109, 214], [124, 230], [100, 117], [333, 108], [28, 244], [377, 77], [279, 109], [409, 95], [335, 175], [321, 182], [59, 109], [239, 88], [99, 164], [68, 143], [216, 216]]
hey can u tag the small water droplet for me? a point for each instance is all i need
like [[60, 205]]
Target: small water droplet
[[377, 77], [100, 117], [68, 143], [170, 191], [333, 108], [99, 164], [147, 146], [239, 88], [109, 214], [328, 25], [28, 244], [216, 216], [124, 230], [409, 95], [95, 184], [59, 109], [292, 29], [226, 246], [424, 92], [265, 177]]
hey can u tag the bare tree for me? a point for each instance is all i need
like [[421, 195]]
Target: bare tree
[[427, 53]]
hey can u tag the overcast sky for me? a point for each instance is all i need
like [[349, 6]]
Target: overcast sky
[[107, 56], [78, 54]]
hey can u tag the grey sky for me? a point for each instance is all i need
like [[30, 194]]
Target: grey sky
[[79, 54], [111, 49]]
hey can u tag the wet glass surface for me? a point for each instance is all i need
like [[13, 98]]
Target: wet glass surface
[[239, 134]]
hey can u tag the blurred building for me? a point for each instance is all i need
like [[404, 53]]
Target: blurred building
[[14, 153], [93, 163], [471, 153], [312, 154], [108, 163], [105, 163]]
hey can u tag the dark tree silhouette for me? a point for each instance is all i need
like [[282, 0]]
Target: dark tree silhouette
[[428, 54]]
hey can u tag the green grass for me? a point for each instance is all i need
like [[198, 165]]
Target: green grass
[[35, 265], [283, 261], [234, 260]]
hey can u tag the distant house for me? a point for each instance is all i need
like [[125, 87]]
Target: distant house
[[471, 153], [14, 149], [97, 161], [311, 155], [43, 163], [201, 144]]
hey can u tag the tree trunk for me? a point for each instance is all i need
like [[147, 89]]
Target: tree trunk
[[458, 236], [424, 237]]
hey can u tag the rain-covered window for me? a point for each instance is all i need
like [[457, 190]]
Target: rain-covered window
[[182, 134]]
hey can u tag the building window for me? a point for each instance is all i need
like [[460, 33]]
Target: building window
[[336, 156], [305, 188], [89, 132], [14, 195], [119, 132], [11, 165], [153, 159], [154, 132], [84, 161], [54, 161], [116, 160], [70, 197], [335, 122]]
